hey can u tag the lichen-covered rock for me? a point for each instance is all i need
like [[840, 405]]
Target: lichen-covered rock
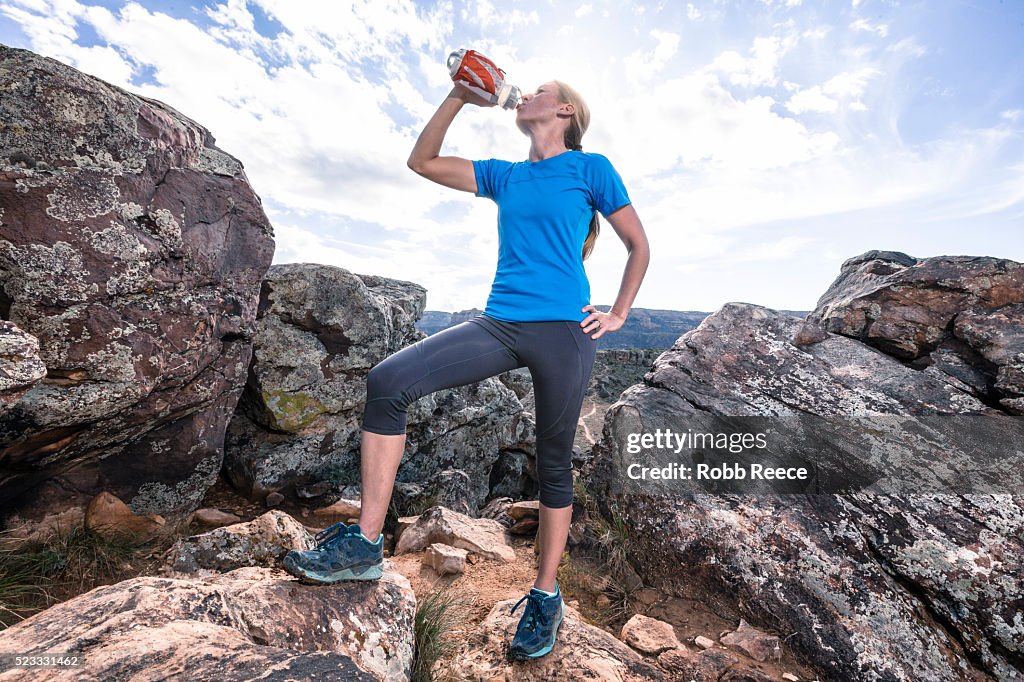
[[132, 248], [320, 330], [261, 542], [240, 625], [581, 652], [894, 587], [969, 307], [20, 365]]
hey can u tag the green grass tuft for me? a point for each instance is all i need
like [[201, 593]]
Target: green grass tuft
[[436, 616]]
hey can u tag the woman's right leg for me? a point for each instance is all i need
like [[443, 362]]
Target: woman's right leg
[[460, 355]]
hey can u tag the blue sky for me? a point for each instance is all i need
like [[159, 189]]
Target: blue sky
[[762, 142]]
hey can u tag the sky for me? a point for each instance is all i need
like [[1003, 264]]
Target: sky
[[762, 142]]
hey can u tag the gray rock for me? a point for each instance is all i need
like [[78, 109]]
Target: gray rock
[[867, 586], [320, 330]]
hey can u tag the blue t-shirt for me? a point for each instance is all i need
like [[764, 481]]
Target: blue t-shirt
[[544, 213]]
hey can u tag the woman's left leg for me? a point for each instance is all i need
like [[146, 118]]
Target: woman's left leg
[[560, 356]]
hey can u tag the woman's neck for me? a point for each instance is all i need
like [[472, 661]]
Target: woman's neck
[[545, 146]]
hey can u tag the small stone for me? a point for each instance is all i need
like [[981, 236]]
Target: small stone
[[445, 559], [524, 509], [342, 509], [108, 516], [759, 645], [274, 499], [703, 642], [649, 635], [208, 516], [790, 677], [603, 601]]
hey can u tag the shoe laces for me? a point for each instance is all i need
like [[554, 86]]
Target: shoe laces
[[327, 536], [534, 613]]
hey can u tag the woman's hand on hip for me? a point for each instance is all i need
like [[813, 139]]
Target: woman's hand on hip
[[602, 322]]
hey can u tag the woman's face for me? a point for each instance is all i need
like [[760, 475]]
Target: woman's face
[[543, 103]]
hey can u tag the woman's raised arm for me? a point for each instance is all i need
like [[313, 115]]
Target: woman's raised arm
[[450, 171]]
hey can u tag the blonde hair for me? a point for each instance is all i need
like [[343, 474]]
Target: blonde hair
[[578, 125]]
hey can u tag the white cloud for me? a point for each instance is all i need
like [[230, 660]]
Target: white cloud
[[643, 65], [761, 67], [692, 13], [865, 25], [584, 10]]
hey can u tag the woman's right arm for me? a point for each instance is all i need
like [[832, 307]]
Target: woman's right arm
[[450, 171]]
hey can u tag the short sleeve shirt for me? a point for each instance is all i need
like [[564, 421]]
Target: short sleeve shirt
[[544, 213]]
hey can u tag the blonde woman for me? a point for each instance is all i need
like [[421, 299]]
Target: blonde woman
[[538, 315]]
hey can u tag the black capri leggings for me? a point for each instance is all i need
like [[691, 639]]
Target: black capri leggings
[[560, 356]]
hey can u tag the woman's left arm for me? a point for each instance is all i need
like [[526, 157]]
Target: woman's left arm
[[626, 224]]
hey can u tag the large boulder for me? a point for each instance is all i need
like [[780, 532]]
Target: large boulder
[[20, 364], [239, 625], [132, 248], [320, 330], [867, 586]]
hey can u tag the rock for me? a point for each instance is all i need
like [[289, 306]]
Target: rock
[[110, 517], [132, 248], [445, 559], [485, 537], [245, 624], [581, 652], [403, 523], [497, 509], [909, 308], [319, 332], [20, 365], [524, 509], [336, 511], [519, 380], [261, 542], [524, 526], [449, 488], [514, 473], [708, 665], [274, 499], [317, 489], [759, 645], [703, 642], [743, 673], [649, 635], [790, 677], [906, 585], [647, 596], [208, 516]]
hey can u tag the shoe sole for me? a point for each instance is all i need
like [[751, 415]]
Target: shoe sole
[[546, 650], [373, 572]]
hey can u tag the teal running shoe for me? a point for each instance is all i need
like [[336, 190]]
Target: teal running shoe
[[538, 626], [341, 553]]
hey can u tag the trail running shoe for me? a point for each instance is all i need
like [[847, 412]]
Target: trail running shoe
[[535, 635], [341, 553]]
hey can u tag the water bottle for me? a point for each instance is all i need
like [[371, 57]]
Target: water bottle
[[472, 70]]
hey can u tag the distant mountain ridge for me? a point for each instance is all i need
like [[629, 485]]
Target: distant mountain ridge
[[644, 328]]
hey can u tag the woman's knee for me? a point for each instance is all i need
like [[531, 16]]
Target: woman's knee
[[555, 485], [388, 396]]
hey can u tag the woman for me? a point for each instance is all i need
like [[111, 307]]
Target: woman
[[538, 315]]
